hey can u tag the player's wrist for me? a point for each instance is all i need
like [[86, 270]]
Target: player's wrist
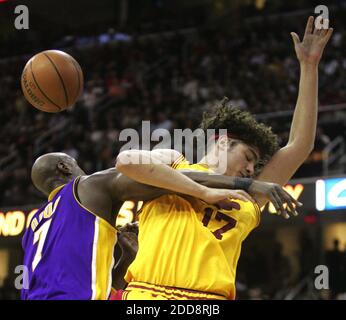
[[243, 183], [309, 65], [201, 192]]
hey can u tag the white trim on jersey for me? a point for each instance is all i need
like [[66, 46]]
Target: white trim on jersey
[[110, 277], [94, 258]]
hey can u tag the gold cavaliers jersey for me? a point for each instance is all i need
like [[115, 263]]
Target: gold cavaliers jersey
[[186, 243]]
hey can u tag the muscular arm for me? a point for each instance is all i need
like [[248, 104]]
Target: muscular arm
[[150, 167], [125, 188], [218, 181], [160, 174], [287, 160]]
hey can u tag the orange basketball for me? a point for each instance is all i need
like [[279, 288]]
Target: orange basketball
[[52, 81]]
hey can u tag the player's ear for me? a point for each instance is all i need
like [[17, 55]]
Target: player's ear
[[64, 168], [223, 143]]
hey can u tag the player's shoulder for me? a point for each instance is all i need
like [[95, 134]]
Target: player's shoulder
[[95, 193], [98, 181]]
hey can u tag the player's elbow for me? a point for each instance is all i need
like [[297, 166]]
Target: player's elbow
[[301, 152], [125, 161], [306, 150], [302, 146]]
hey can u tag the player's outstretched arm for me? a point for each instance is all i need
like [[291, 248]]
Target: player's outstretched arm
[[151, 168], [287, 160], [122, 188]]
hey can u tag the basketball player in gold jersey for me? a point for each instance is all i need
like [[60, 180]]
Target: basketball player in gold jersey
[[189, 249]]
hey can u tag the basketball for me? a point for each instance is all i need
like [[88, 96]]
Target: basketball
[[52, 81]]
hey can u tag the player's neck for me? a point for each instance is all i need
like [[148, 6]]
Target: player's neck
[[56, 184]]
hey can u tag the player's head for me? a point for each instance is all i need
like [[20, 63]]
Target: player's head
[[247, 144], [53, 170]]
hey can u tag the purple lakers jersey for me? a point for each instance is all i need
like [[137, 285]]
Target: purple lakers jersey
[[68, 250]]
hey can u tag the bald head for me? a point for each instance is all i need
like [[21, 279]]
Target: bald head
[[53, 170]]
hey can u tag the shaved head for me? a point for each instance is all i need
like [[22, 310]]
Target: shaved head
[[53, 170]]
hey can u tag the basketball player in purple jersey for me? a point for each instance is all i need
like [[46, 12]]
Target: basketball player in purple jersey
[[68, 247]]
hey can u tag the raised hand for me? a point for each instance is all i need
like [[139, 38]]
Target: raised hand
[[310, 49]]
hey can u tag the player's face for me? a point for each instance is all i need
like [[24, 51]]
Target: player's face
[[241, 160]]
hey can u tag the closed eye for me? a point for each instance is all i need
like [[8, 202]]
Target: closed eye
[[252, 157], [248, 158]]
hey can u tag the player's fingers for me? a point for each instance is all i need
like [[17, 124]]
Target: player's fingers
[[127, 239], [276, 206], [309, 26], [239, 197], [294, 201], [133, 227], [295, 38], [328, 35], [129, 227], [246, 195], [289, 200], [317, 26], [280, 204], [325, 27]]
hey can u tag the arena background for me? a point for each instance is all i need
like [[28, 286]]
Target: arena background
[[166, 61]]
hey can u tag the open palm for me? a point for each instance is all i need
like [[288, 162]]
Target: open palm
[[310, 49]]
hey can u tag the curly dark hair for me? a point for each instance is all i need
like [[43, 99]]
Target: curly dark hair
[[242, 125]]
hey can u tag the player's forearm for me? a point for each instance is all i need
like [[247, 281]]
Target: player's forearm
[[303, 128], [212, 180], [158, 175]]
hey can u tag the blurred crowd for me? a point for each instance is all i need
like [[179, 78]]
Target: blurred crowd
[[169, 79], [275, 277]]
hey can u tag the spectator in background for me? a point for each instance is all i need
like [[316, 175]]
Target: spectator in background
[[281, 269], [307, 258], [343, 271], [334, 262]]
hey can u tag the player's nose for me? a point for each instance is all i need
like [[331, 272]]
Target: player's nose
[[250, 169]]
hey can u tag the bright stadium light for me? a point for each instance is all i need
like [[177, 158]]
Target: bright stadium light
[[320, 195], [336, 197], [331, 194]]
